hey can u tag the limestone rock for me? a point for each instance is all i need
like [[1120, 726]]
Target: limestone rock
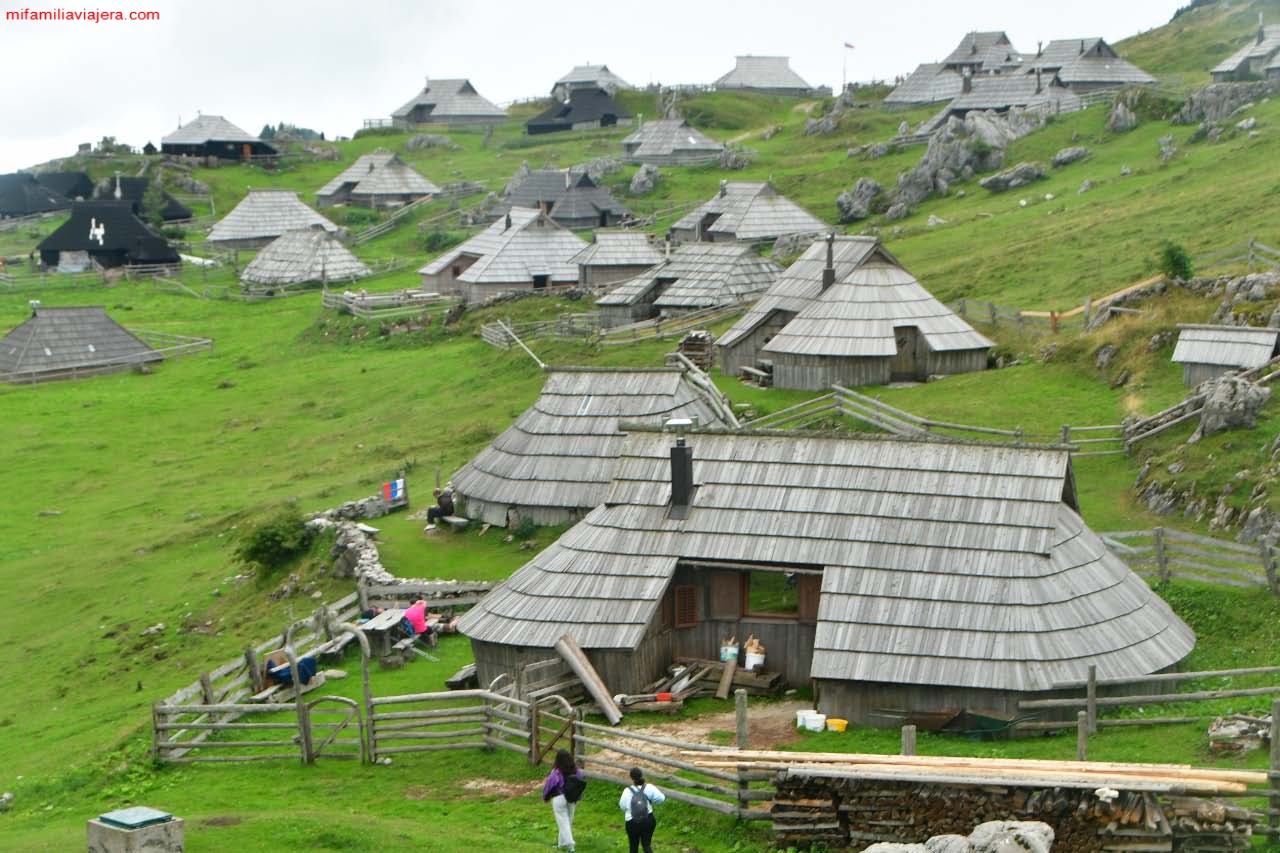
[[1125, 171], [1259, 523], [1012, 836], [645, 180], [1219, 100], [1020, 175], [897, 210], [857, 203], [1104, 355], [1122, 379], [598, 167], [935, 221], [1159, 499], [904, 129], [1085, 187], [1167, 149], [1122, 119], [791, 244], [1232, 403], [188, 184], [947, 844], [429, 140], [824, 126], [521, 175], [891, 847], [1070, 155], [877, 150], [736, 158], [1248, 124]]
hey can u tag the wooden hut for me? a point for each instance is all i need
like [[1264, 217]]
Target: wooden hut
[[978, 54], [930, 83], [75, 186], [134, 191], [1086, 65], [214, 136], [745, 210], [1011, 91], [570, 198], [554, 464], [847, 313], [694, 276], [307, 255], [523, 250], [615, 256], [22, 195], [892, 574], [262, 216], [377, 179], [104, 234], [1207, 352], [584, 109], [670, 142], [588, 77], [768, 75], [450, 102], [1252, 61], [61, 343]]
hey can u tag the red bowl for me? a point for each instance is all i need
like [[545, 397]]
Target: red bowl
[[663, 697]]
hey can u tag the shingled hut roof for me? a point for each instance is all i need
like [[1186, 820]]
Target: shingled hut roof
[[53, 340], [379, 173], [666, 138], [571, 195], [265, 214], [592, 75], [134, 190], [1226, 346], [1257, 48], [943, 563], [118, 230], [988, 50], [929, 83], [1007, 91], [752, 211], [1087, 61], [584, 106], [520, 245], [763, 73], [456, 98], [562, 451], [619, 249], [308, 254], [699, 275], [22, 195], [208, 128], [69, 185]]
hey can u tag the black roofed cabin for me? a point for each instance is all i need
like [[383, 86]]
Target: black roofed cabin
[[585, 109], [134, 191], [570, 198], [215, 137], [22, 195], [895, 574], [104, 234], [76, 186]]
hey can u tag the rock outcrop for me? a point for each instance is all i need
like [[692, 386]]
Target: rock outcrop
[[996, 836], [1232, 403], [1122, 119], [644, 180], [1219, 100], [1019, 176], [860, 201], [1070, 155]]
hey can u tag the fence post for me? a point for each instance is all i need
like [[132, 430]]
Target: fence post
[[1064, 435], [908, 740], [533, 733], [156, 736], [206, 689], [1088, 309], [1273, 818], [740, 708], [963, 307], [1162, 561], [1082, 736], [1091, 699], [991, 309], [1267, 547]]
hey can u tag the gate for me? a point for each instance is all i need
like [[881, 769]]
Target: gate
[[347, 710], [563, 733]]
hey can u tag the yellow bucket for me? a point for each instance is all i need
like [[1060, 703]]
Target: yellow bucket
[[835, 724]]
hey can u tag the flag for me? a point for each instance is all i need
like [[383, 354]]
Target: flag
[[846, 44], [393, 491]]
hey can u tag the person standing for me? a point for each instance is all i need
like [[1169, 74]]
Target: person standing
[[637, 802], [562, 806]]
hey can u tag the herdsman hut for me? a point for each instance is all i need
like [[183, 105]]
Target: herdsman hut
[[76, 186], [978, 54], [523, 250], [745, 210], [588, 77], [134, 191], [306, 255], [1044, 92], [554, 464], [570, 198], [615, 256], [694, 276], [262, 216], [897, 574], [769, 75], [670, 142], [1086, 65], [452, 102], [214, 136], [847, 313], [21, 195], [377, 179], [584, 109], [1252, 61], [62, 343], [1207, 352], [104, 234]]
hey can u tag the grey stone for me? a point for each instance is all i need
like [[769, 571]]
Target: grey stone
[[791, 244], [157, 628], [1159, 499], [1085, 187], [1232, 403], [736, 158], [891, 847], [856, 204], [1259, 523], [1167, 149], [904, 129], [1012, 836], [6, 801], [521, 175], [824, 126], [1125, 171], [1103, 356], [877, 150], [429, 140], [947, 844], [1143, 473], [1122, 379], [1248, 124], [1020, 175], [644, 180], [1070, 155], [897, 210], [1219, 100], [935, 221], [598, 167], [1176, 468], [1122, 119]]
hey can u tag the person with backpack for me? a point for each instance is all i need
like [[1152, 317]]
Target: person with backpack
[[637, 802], [563, 788]]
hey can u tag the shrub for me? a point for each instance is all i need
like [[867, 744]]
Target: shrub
[[525, 528], [276, 541], [437, 240], [1174, 261]]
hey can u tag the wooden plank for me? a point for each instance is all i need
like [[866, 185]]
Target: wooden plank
[[1115, 701], [726, 679], [568, 648]]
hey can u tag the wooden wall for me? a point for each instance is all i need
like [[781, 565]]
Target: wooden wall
[[603, 276], [1194, 374], [817, 373], [504, 515], [622, 670], [862, 702], [956, 361], [746, 352]]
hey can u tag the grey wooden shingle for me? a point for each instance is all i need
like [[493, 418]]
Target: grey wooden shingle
[[379, 173], [263, 215], [619, 249], [309, 254], [59, 339], [764, 74], [521, 244], [208, 128], [699, 275], [1227, 346], [449, 99], [670, 141], [751, 211], [1264, 45]]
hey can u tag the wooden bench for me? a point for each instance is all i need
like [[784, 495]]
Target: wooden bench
[[457, 522], [761, 378]]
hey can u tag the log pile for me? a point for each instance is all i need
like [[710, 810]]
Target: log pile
[[692, 678], [698, 347]]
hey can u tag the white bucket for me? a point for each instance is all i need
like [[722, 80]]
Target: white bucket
[[728, 653], [753, 660], [800, 715], [815, 722]]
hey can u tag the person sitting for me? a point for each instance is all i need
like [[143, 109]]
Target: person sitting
[[276, 669], [416, 618], [442, 509]]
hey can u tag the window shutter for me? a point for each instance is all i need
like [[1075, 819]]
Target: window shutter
[[808, 591], [726, 595], [686, 606]]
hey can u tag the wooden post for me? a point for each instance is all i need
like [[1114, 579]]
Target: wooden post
[[908, 740], [1162, 561], [156, 717], [1053, 321], [206, 689], [533, 733], [740, 707], [1082, 736], [1267, 547], [1273, 818], [1091, 699], [991, 309], [963, 307], [1064, 434]]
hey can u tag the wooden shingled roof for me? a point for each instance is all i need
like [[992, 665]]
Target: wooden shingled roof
[[1087, 60], [748, 210], [762, 72], [1006, 91], [380, 172], [308, 254], [59, 339], [1262, 44], [520, 245], [455, 98], [989, 50], [22, 195], [594, 75], [117, 229], [561, 452], [929, 83], [699, 275], [944, 564], [208, 128], [669, 137], [571, 195], [619, 249], [1227, 346], [266, 214]]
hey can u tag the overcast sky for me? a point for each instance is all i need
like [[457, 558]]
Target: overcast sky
[[329, 65]]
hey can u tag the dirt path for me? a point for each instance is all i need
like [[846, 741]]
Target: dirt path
[[769, 725]]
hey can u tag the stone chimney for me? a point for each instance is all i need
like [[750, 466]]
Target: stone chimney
[[966, 82], [724, 188], [1262, 31], [829, 271], [1039, 85], [681, 470], [507, 225], [1082, 47]]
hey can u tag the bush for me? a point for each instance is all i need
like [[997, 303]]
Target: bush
[[376, 131], [525, 528], [437, 240], [276, 542], [1174, 261]]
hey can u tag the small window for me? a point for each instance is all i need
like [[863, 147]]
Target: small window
[[772, 593], [686, 606]]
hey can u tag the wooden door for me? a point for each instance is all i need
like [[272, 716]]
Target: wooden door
[[906, 365]]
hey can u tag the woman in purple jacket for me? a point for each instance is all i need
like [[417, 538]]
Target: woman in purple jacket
[[553, 792]]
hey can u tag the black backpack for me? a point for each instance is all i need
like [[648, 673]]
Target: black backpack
[[574, 786], [639, 803]]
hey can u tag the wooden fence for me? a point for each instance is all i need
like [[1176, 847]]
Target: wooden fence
[[665, 328], [1252, 253], [162, 343], [382, 306], [1167, 554], [450, 191]]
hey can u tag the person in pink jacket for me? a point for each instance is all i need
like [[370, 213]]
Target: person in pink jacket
[[553, 791]]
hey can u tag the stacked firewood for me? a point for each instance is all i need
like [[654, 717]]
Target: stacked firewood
[[695, 677], [698, 347]]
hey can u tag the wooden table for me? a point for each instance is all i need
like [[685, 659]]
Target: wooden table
[[379, 628]]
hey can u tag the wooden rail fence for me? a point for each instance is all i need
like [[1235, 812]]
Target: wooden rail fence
[[1166, 554], [383, 306]]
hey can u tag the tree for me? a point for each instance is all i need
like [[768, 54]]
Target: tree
[[153, 203], [1175, 262]]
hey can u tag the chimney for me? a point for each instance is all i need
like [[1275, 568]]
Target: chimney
[[508, 223], [1039, 48], [829, 271], [1038, 85], [1262, 32], [1082, 47], [724, 188], [966, 82], [681, 470], [566, 179]]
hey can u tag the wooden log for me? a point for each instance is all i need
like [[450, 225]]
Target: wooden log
[[726, 679], [908, 740], [740, 716], [1115, 701], [672, 794], [573, 655], [428, 715], [658, 759], [1082, 735]]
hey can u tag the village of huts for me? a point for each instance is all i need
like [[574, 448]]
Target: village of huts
[[865, 433]]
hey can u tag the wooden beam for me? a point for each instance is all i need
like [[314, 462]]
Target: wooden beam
[[568, 648]]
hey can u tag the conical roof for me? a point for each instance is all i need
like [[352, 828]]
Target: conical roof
[[380, 172], [58, 339], [266, 214], [308, 254]]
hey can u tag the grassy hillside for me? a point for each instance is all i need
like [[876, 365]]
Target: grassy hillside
[[1182, 51]]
